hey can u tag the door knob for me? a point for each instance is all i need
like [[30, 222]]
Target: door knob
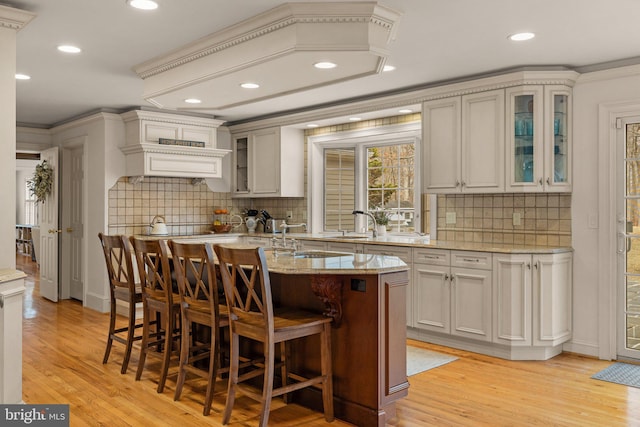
[[54, 231], [69, 230]]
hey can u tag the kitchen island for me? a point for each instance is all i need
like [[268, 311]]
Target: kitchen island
[[366, 297]]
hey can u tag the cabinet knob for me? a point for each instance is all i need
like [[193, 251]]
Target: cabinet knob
[[464, 183], [457, 183], [548, 181], [536, 265], [446, 277], [529, 265], [540, 181]]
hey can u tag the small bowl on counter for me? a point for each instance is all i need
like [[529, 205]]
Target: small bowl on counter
[[222, 228]]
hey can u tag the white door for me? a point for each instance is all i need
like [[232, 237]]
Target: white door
[[49, 232], [628, 236], [74, 229]]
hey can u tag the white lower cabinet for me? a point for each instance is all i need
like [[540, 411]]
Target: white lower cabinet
[[450, 296], [532, 302]]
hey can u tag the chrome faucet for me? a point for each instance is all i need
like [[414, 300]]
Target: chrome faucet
[[284, 226], [373, 218]]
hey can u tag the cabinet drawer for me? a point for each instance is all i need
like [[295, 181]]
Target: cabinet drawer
[[403, 253], [431, 256], [479, 260]]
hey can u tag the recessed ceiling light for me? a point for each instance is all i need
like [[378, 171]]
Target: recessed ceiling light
[[324, 65], [143, 4], [312, 125], [355, 119], [69, 49], [22, 77], [405, 111], [250, 85], [388, 68], [518, 37], [192, 101]]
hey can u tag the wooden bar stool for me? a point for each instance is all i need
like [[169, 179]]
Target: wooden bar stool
[[195, 271], [122, 286], [159, 302], [251, 315]]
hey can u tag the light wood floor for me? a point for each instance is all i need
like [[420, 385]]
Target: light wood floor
[[63, 345]]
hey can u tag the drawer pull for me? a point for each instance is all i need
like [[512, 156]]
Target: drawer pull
[[471, 259], [431, 257]]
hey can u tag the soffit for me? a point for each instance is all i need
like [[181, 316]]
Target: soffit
[[276, 49]]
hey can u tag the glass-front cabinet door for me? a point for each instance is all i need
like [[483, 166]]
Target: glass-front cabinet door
[[525, 156], [557, 138], [241, 164]]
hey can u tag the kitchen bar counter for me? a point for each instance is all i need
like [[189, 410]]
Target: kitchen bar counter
[[413, 241], [366, 296]]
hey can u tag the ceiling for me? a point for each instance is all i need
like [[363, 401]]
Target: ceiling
[[435, 41]]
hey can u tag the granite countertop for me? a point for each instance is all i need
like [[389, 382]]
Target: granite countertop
[[327, 262], [416, 241], [340, 264], [411, 241], [9, 274]]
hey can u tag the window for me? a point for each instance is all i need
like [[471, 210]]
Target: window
[[390, 184], [30, 206], [370, 169]]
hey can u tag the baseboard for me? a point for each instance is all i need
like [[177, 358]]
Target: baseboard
[[97, 302]]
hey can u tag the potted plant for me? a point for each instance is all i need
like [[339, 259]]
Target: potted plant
[[382, 219]]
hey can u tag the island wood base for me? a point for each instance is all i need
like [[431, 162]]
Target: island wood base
[[368, 344]]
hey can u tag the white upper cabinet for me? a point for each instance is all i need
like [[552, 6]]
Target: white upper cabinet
[[509, 133], [464, 143], [539, 140], [442, 145], [483, 142], [268, 163]]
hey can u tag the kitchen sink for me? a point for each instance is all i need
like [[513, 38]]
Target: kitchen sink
[[350, 237], [319, 254]]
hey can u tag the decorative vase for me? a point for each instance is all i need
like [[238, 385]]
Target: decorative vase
[[382, 229]]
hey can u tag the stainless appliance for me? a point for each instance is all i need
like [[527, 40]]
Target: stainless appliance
[[272, 225]]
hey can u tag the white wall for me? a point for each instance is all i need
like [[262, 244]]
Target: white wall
[[593, 319], [103, 134], [8, 144]]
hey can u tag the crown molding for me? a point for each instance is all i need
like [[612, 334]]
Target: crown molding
[[416, 95], [273, 20], [154, 116], [14, 19]]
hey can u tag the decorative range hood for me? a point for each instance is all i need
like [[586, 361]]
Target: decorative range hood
[[171, 145]]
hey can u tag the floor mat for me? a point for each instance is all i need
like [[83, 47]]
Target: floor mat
[[620, 373], [420, 360]]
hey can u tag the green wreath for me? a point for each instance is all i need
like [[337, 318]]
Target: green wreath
[[42, 181]]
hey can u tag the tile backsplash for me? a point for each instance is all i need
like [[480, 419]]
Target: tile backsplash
[[187, 208], [544, 219]]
